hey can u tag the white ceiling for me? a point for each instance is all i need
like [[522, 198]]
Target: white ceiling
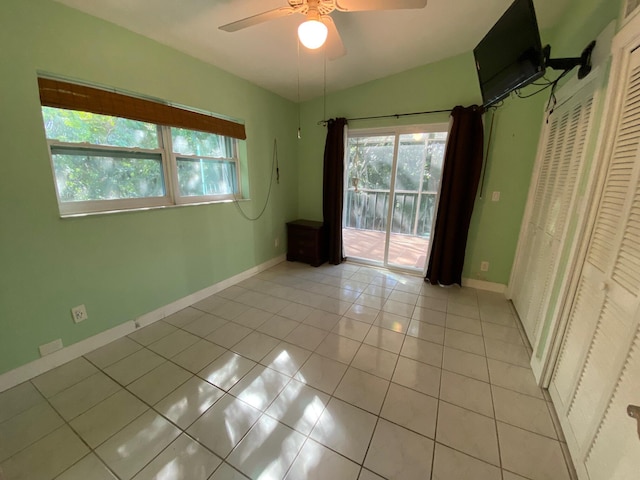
[[378, 43]]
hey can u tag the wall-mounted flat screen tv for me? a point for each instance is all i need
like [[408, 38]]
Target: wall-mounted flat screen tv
[[510, 56]]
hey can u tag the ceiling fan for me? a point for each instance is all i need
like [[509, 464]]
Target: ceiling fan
[[318, 26]]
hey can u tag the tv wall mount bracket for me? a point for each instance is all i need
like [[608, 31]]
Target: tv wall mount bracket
[[566, 64]]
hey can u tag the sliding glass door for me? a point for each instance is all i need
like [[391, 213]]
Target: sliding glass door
[[391, 189]]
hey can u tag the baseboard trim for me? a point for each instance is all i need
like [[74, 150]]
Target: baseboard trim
[[48, 362], [483, 285], [184, 302]]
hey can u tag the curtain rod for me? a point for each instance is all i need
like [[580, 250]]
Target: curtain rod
[[395, 115]]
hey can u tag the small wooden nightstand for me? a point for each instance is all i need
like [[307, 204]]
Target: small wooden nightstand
[[305, 242]]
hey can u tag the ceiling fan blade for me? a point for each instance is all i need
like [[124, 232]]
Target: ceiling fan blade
[[334, 46], [364, 5], [256, 19]]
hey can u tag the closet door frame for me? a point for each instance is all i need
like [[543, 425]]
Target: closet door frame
[[554, 317], [528, 230], [624, 44]]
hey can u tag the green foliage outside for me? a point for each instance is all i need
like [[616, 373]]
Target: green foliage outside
[[419, 169], [93, 177], [82, 127], [192, 142], [85, 173], [203, 176], [200, 177]]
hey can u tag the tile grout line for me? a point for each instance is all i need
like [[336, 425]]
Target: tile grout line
[[182, 431], [435, 432], [307, 436], [493, 407], [350, 365], [378, 416], [438, 399], [149, 409], [291, 378], [152, 409], [64, 420], [124, 387], [68, 424]]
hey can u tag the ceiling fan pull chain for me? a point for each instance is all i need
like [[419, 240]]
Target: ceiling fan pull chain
[[299, 129], [324, 99]]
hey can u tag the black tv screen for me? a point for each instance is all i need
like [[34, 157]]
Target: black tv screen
[[510, 56]]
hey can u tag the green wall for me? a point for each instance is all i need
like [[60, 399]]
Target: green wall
[[431, 87], [126, 264], [495, 226], [582, 22]]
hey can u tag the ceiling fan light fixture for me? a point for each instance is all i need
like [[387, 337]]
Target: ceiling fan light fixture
[[312, 33]]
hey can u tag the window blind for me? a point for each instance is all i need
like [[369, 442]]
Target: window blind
[[71, 96]]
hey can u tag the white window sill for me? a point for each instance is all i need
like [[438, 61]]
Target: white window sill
[[154, 207]]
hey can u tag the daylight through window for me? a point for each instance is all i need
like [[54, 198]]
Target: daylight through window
[[109, 163]]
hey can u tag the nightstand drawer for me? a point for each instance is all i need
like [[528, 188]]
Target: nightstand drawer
[[303, 234]]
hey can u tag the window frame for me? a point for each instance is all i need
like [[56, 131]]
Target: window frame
[[169, 159], [178, 199], [394, 132]]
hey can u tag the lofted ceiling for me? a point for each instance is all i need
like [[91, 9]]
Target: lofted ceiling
[[378, 43]]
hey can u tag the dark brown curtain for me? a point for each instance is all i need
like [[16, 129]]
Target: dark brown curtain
[[333, 186], [462, 168]]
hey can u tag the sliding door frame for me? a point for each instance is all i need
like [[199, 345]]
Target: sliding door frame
[[394, 132]]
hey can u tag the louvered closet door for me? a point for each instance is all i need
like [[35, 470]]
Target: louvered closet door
[[558, 167], [614, 452], [598, 365], [522, 290]]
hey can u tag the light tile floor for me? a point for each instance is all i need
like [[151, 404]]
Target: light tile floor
[[339, 372]]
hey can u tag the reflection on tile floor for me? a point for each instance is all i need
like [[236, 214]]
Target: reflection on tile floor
[[337, 372]]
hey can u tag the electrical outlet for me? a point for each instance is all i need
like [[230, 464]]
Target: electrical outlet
[[50, 347], [79, 313], [484, 266], [277, 242], [495, 197]]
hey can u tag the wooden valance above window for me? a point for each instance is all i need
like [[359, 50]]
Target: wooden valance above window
[[71, 96]]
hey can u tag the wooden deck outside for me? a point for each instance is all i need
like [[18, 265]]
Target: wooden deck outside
[[404, 250]]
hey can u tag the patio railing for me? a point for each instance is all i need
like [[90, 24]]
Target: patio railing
[[413, 211]]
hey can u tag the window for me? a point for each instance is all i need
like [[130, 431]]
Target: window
[[105, 162], [207, 163]]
